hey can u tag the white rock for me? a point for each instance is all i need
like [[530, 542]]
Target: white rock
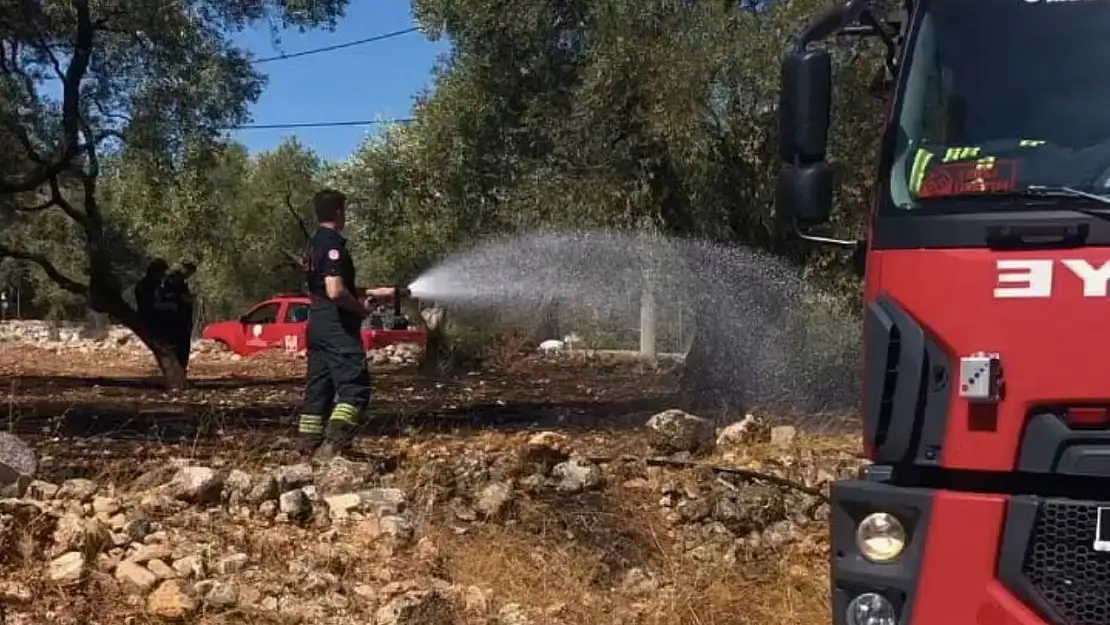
[[341, 506], [135, 577], [295, 504], [783, 435], [67, 568], [197, 484], [674, 431], [17, 465], [576, 475]]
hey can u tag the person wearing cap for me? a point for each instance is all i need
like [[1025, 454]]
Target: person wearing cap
[[337, 384], [146, 295], [177, 302]]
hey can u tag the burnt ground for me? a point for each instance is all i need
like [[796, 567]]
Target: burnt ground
[[113, 402], [650, 545]]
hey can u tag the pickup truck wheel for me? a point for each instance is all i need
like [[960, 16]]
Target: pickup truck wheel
[[222, 346]]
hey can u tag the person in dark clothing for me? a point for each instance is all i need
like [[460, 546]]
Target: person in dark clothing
[[178, 301], [146, 295], [337, 385]]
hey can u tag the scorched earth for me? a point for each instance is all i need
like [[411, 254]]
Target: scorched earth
[[538, 491]]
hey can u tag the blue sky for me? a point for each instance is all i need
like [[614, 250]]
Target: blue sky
[[371, 81]]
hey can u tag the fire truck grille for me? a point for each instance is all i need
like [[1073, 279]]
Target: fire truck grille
[[1063, 566]]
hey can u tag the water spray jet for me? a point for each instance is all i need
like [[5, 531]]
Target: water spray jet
[[760, 326]]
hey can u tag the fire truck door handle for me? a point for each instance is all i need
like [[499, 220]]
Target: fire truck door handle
[[1037, 235]]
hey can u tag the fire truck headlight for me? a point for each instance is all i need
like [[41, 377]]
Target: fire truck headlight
[[880, 537], [871, 609]]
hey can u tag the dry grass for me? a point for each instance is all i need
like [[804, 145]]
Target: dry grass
[[614, 558], [604, 558], [560, 581]]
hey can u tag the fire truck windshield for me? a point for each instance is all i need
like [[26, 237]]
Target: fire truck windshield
[[1000, 96]]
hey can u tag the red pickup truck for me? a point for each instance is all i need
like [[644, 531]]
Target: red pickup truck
[[280, 323]]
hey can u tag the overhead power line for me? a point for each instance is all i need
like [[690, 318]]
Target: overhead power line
[[338, 46], [358, 122]]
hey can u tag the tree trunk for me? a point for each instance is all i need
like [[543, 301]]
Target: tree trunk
[[173, 370], [712, 379], [111, 302]]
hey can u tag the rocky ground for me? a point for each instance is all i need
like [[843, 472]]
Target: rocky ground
[[71, 338], [548, 492]]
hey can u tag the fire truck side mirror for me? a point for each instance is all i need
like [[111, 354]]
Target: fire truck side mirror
[[804, 193], [805, 104]]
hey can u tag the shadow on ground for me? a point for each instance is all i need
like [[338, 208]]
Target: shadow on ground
[[189, 421], [253, 413], [150, 383], [83, 420]]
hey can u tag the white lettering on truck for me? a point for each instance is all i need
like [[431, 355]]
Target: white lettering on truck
[[1026, 279]]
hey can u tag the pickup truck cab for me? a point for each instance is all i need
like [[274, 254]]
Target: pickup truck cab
[[281, 321]]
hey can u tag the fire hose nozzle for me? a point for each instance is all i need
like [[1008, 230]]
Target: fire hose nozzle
[[399, 293]]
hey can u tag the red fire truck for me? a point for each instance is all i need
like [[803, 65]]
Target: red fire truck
[[987, 315]]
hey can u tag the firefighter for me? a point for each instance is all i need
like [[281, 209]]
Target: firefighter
[[179, 322], [146, 294], [337, 385]]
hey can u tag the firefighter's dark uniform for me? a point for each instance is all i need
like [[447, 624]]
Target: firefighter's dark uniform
[[147, 292], [337, 370], [167, 315], [179, 330]]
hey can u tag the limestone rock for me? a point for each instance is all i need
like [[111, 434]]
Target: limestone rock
[[197, 484], [751, 429], [170, 601], [67, 568], [134, 577], [494, 498], [673, 431], [577, 475], [17, 465]]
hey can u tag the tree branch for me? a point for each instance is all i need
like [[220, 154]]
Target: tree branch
[[37, 208], [59, 73], [47, 267], [749, 474], [56, 199], [24, 139], [94, 223], [296, 216], [296, 261], [66, 205], [69, 147]]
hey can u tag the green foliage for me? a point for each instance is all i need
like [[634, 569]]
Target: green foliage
[[633, 114], [146, 90], [615, 113], [239, 218], [645, 114], [147, 87]]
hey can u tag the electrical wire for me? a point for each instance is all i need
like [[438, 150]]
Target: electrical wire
[[335, 124], [332, 124], [338, 46]]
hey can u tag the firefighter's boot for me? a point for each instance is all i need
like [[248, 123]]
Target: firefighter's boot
[[343, 425], [310, 433]]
